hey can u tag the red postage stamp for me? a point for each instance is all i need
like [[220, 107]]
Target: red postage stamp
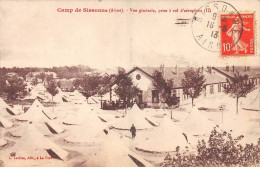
[[237, 34]]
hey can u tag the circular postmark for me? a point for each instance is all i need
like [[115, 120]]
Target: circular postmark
[[206, 24]]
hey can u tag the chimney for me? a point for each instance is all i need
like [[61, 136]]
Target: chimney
[[227, 68], [233, 68], [209, 69], [162, 70], [121, 70]]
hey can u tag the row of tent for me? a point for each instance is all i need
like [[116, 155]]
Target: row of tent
[[169, 134], [85, 126], [33, 143], [40, 92]]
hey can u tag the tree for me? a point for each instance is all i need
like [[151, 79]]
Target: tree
[[34, 81], [59, 84], [193, 83], [90, 84], [76, 83], [41, 76], [221, 150], [3, 79], [14, 86], [49, 78], [161, 85], [239, 86], [165, 89], [52, 89], [125, 89]]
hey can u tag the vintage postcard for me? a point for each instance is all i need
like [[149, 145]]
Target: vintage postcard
[[129, 83]]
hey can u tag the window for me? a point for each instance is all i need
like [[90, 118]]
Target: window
[[219, 87], [138, 76], [185, 96], [211, 89], [155, 96]]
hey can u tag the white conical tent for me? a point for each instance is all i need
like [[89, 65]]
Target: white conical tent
[[197, 124], [114, 153], [87, 133], [6, 110], [85, 126], [134, 116], [77, 97], [36, 114], [5, 122], [60, 97], [16, 110], [166, 138], [33, 144], [79, 117], [3, 142], [90, 131], [49, 114], [3, 104], [53, 127], [39, 91]]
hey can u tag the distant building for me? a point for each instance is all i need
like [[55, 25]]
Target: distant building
[[216, 79], [11, 74], [66, 84], [229, 71], [104, 72]]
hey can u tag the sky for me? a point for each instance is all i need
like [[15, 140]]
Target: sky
[[33, 33]]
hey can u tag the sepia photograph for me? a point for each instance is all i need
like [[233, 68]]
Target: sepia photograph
[[129, 83]]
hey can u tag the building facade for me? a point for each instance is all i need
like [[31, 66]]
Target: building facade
[[216, 80]]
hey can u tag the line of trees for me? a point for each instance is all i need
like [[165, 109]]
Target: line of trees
[[62, 72], [192, 84]]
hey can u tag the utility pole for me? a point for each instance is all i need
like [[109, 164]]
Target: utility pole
[[222, 108]]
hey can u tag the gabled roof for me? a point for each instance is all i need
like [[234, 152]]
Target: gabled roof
[[137, 68], [253, 72], [177, 74], [212, 77]]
